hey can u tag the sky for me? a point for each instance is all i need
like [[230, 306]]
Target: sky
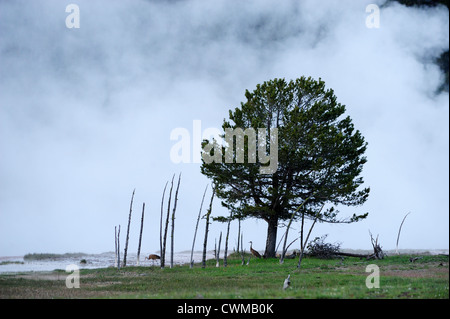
[[86, 114]]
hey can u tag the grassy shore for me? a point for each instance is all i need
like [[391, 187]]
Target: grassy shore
[[427, 277]]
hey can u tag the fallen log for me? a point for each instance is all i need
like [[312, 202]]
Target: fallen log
[[361, 256], [341, 254], [353, 255], [377, 253]]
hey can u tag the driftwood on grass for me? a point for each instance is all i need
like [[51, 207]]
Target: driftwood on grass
[[414, 259], [361, 256], [287, 282], [172, 237], [128, 231], [140, 233], [378, 252], [343, 254], [205, 242]]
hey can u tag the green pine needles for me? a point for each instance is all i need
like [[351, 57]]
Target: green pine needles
[[320, 156]]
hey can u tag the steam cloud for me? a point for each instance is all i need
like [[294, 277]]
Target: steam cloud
[[86, 114]]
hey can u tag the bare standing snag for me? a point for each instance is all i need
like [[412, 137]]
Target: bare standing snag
[[173, 222], [205, 242], [128, 230]]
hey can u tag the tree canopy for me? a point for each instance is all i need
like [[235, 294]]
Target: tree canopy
[[320, 156]]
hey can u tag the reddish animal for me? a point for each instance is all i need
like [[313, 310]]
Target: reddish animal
[[152, 257]]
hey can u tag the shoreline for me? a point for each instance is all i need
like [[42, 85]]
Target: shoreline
[[17, 264], [425, 278], [10, 265]]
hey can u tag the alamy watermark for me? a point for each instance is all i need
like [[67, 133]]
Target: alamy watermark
[[212, 151], [373, 19], [373, 279], [73, 19], [73, 279]]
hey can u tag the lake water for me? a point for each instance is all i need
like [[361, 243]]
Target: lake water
[[103, 260], [14, 264]]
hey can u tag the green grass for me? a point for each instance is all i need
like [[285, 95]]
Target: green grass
[[263, 278]]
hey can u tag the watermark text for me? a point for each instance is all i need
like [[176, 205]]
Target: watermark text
[[261, 146]]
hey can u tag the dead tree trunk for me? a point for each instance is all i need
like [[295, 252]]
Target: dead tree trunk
[[351, 255], [283, 252], [115, 246], [242, 250], [215, 248], [377, 251], [173, 222], [128, 231], [205, 242], [160, 221], [239, 234], [140, 233], [196, 228], [226, 241], [118, 249], [303, 245], [218, 251], [399, 230], [163, 253], [301, 231]]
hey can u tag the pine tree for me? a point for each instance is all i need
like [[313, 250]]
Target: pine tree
[[320, 157]]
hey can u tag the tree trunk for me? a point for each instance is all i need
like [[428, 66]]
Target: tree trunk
[[172, 236], [163, 253], [303, 245], [218, 251], [283, 252], [140, 233], [118, 249], [272, 227], [399, 230], [226, 241], [115, 246], [242, 250], [239, 235], [205, 242], [196, 227], [160, 222], [128, 231], [301, 231]]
